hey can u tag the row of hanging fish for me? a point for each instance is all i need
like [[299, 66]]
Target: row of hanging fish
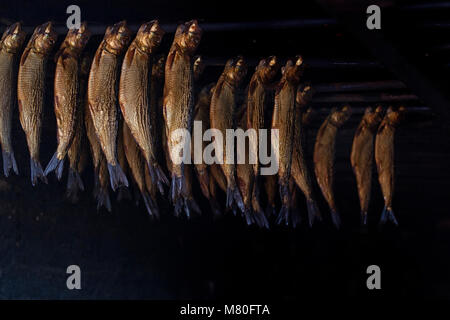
[[126, 102]]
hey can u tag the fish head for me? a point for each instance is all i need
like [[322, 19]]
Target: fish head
[[239, 70], [158, 67], [78, 38], [13, 38], [117, 37], [199, 66], [44, 38], [395, 116], [294, 70], [190, 36], [339, 117], [304, 94], [268, 69], [372, 117], [149, 36]]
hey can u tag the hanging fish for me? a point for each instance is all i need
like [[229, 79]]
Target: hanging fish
[[178, 101], [362, 156], [324, 152], [66, 94], [222, 117], [384, 158], [10, 45], [31, 90], [102, 96], [134, 98], [283, 119]]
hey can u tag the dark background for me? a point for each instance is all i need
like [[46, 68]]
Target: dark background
[[125, 255]]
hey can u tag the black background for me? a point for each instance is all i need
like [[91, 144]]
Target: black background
[[124, 255]]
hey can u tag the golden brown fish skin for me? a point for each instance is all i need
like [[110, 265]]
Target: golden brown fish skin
[[178, 100], [102, 96], [67, 94], [201, 113], [134, 95], [283, 119], [102, 193], [384, 158], [222, 113], [77, 152], [10, 45], [245, 177], [299, 168], [257, 100], [324, 151], [361, 156], [136, 163], [31, 90]]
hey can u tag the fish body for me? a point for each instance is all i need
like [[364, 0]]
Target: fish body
[[102, 96], [10, 45], [77, 152], [283, 119], [299, 169], [324, 152], [222, 117], [384, 158], [67, 93], [361, 157], [134, 95], [137, 163], [31, 90], [178, 99]]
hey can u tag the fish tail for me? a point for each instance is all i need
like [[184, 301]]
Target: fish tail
[[103, 199], [9, 161], [388, 214], [270, 211], [285, 214], [336, 218], [157, 176], [150, 205], [249, 218], [74, 183], [191, 205], [259, 219], [234, 197], [123, 193], [56, 165], [117, 176], [313, 211], [36, 172], [363, 218]]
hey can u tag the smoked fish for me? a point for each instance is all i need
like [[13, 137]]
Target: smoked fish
[[324, 152], [222, 117], [66, 94], [10, 45], [31, 90], [362, 154], [102, 96], [283, 119], [384, 158], [134, 95], [178, 100]]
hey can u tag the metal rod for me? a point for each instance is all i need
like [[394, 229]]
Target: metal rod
[[382, 97], [359, 86]]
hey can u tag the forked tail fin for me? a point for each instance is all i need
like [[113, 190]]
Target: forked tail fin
[[103, 199], [9, 162], [336, 218], [150, 205], [117, 176], [36, 172], [157, 176], [388, 214], [313, 212], [56, 165]]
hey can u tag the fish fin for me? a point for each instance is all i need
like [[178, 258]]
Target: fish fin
[[191, 205], [150, 205], [74, 183], [336, 218], [9, 161], [363, 218], [56, 165], [249, 218], [386, 215], [36, 172], [313, 212], [177, 188], [289, 215], [157, 176], [235, 197], [256, 217], [103, 199], [123, 193], [117, 176]]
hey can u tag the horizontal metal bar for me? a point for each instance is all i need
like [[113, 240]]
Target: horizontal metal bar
[[359, 86], [382, 97], [212, 27], [361, 110]]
